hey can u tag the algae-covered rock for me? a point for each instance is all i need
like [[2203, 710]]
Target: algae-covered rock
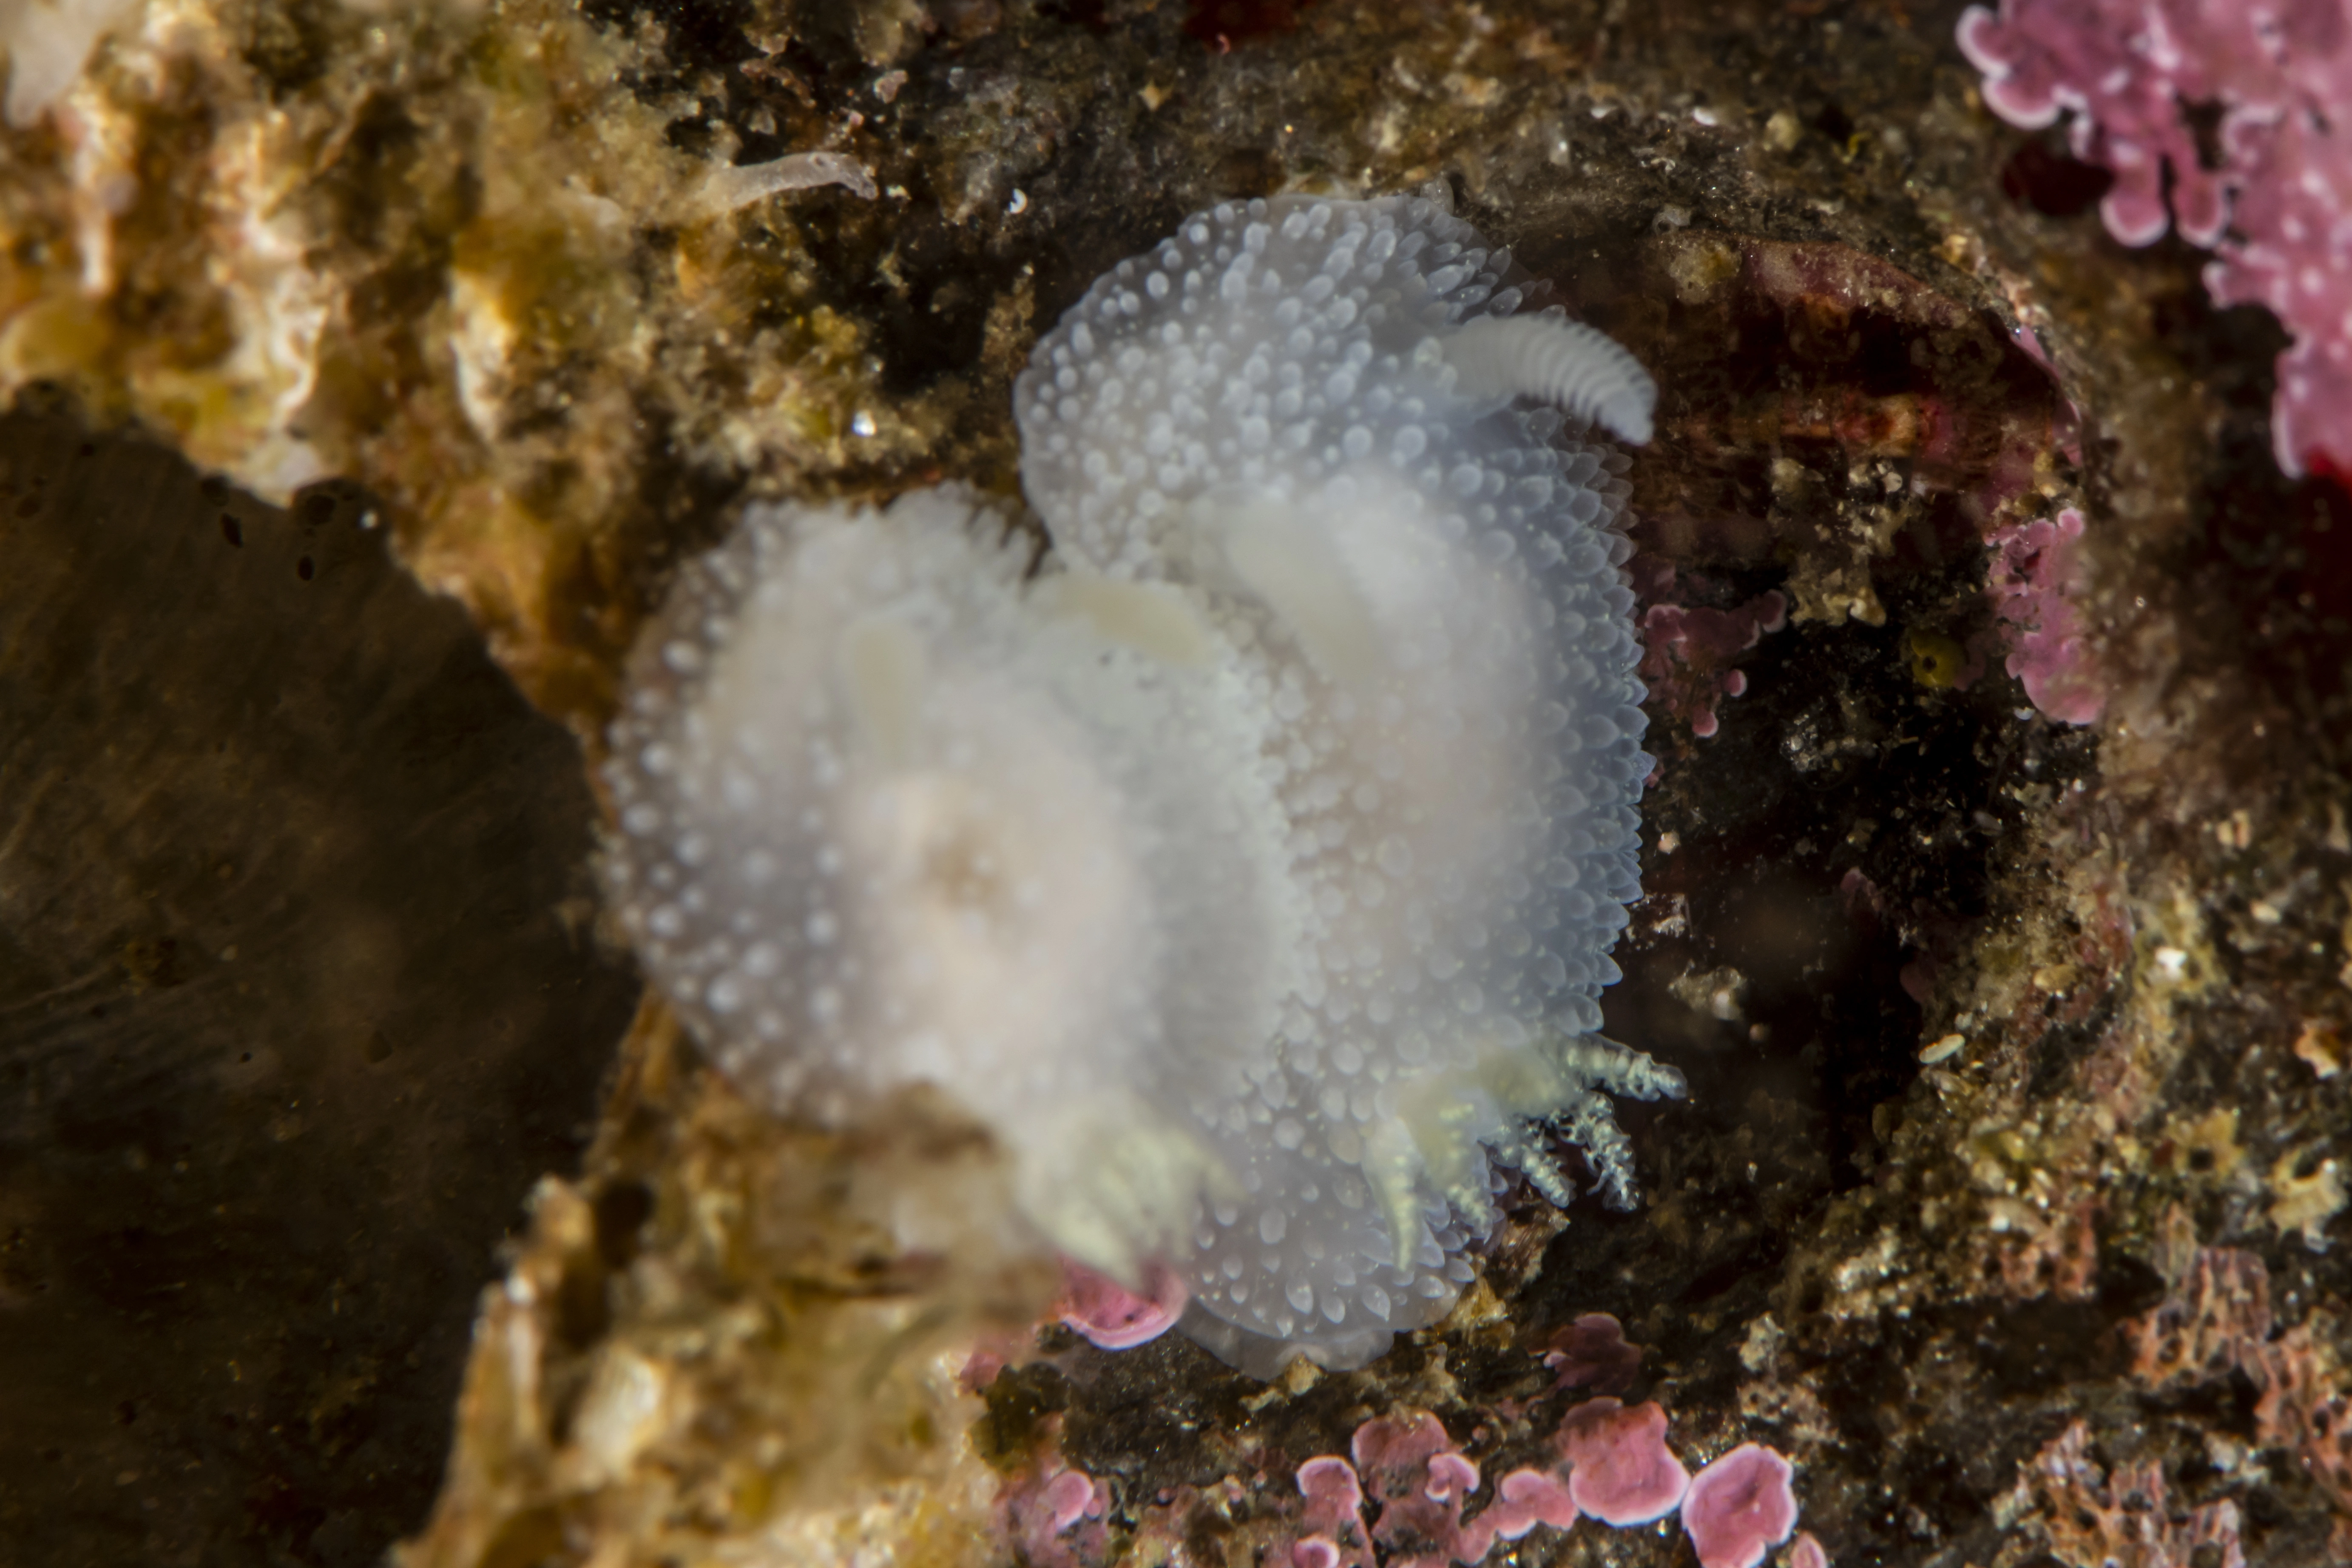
[[2007, 1201]]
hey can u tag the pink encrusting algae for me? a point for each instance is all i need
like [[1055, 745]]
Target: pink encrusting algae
[[1620, 1469], [1053, 1515], [1593, 1352], [1113, 1318], [2268, 192], [1525, 1498], [1689, 656], [1334, 1517], [1401, 1501], [1741, 1507], [1406, 1496], [1420, 1481], [2036, 580]]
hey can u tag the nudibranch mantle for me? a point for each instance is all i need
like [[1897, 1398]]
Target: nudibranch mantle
[[1252, 865]]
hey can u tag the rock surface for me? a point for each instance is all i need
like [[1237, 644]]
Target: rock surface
[[2006, 1201], [299, 993]]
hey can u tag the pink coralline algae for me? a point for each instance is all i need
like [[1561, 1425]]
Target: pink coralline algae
[[1334, 1516], [2217, 1322], [1525, 1498], [1420, 1481], [1593, 1352], [1688, 654], [1613, 1465], [1406, 1496], [2036, 583], [1417, 1484], [1620, 1469], [1114, 1318], [2276, 210], [1741, 1507], [1054, 1517]]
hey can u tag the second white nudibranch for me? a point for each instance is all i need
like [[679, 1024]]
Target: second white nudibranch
[[1252, 868]]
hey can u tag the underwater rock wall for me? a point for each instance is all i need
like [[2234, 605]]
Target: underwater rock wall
[[298, 993], [2015, 1040]]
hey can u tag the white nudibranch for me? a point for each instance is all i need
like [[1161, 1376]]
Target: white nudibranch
[[1252, 865]]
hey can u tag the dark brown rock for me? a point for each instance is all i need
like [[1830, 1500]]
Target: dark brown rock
[[298, 997]]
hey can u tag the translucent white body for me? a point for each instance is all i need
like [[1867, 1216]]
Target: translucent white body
[[1253, 869]]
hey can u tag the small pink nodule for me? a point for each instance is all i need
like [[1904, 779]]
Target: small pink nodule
[[1314, 1551], [1069, 1498], [1808, 1552], [1113, 1318], [1741, 1507], [1620, 1470]]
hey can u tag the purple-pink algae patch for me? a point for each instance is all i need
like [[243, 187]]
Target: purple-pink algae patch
[[2036, 581], [2266, 184], [1689, 655], [1052, 1515], [1399, 1501], [1620, 1469], [1525, 1498], [1417, 1484], [1412, 1469], [1593, 1353], [1333, 1518], [1741, 1507], [1111, 1315]]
